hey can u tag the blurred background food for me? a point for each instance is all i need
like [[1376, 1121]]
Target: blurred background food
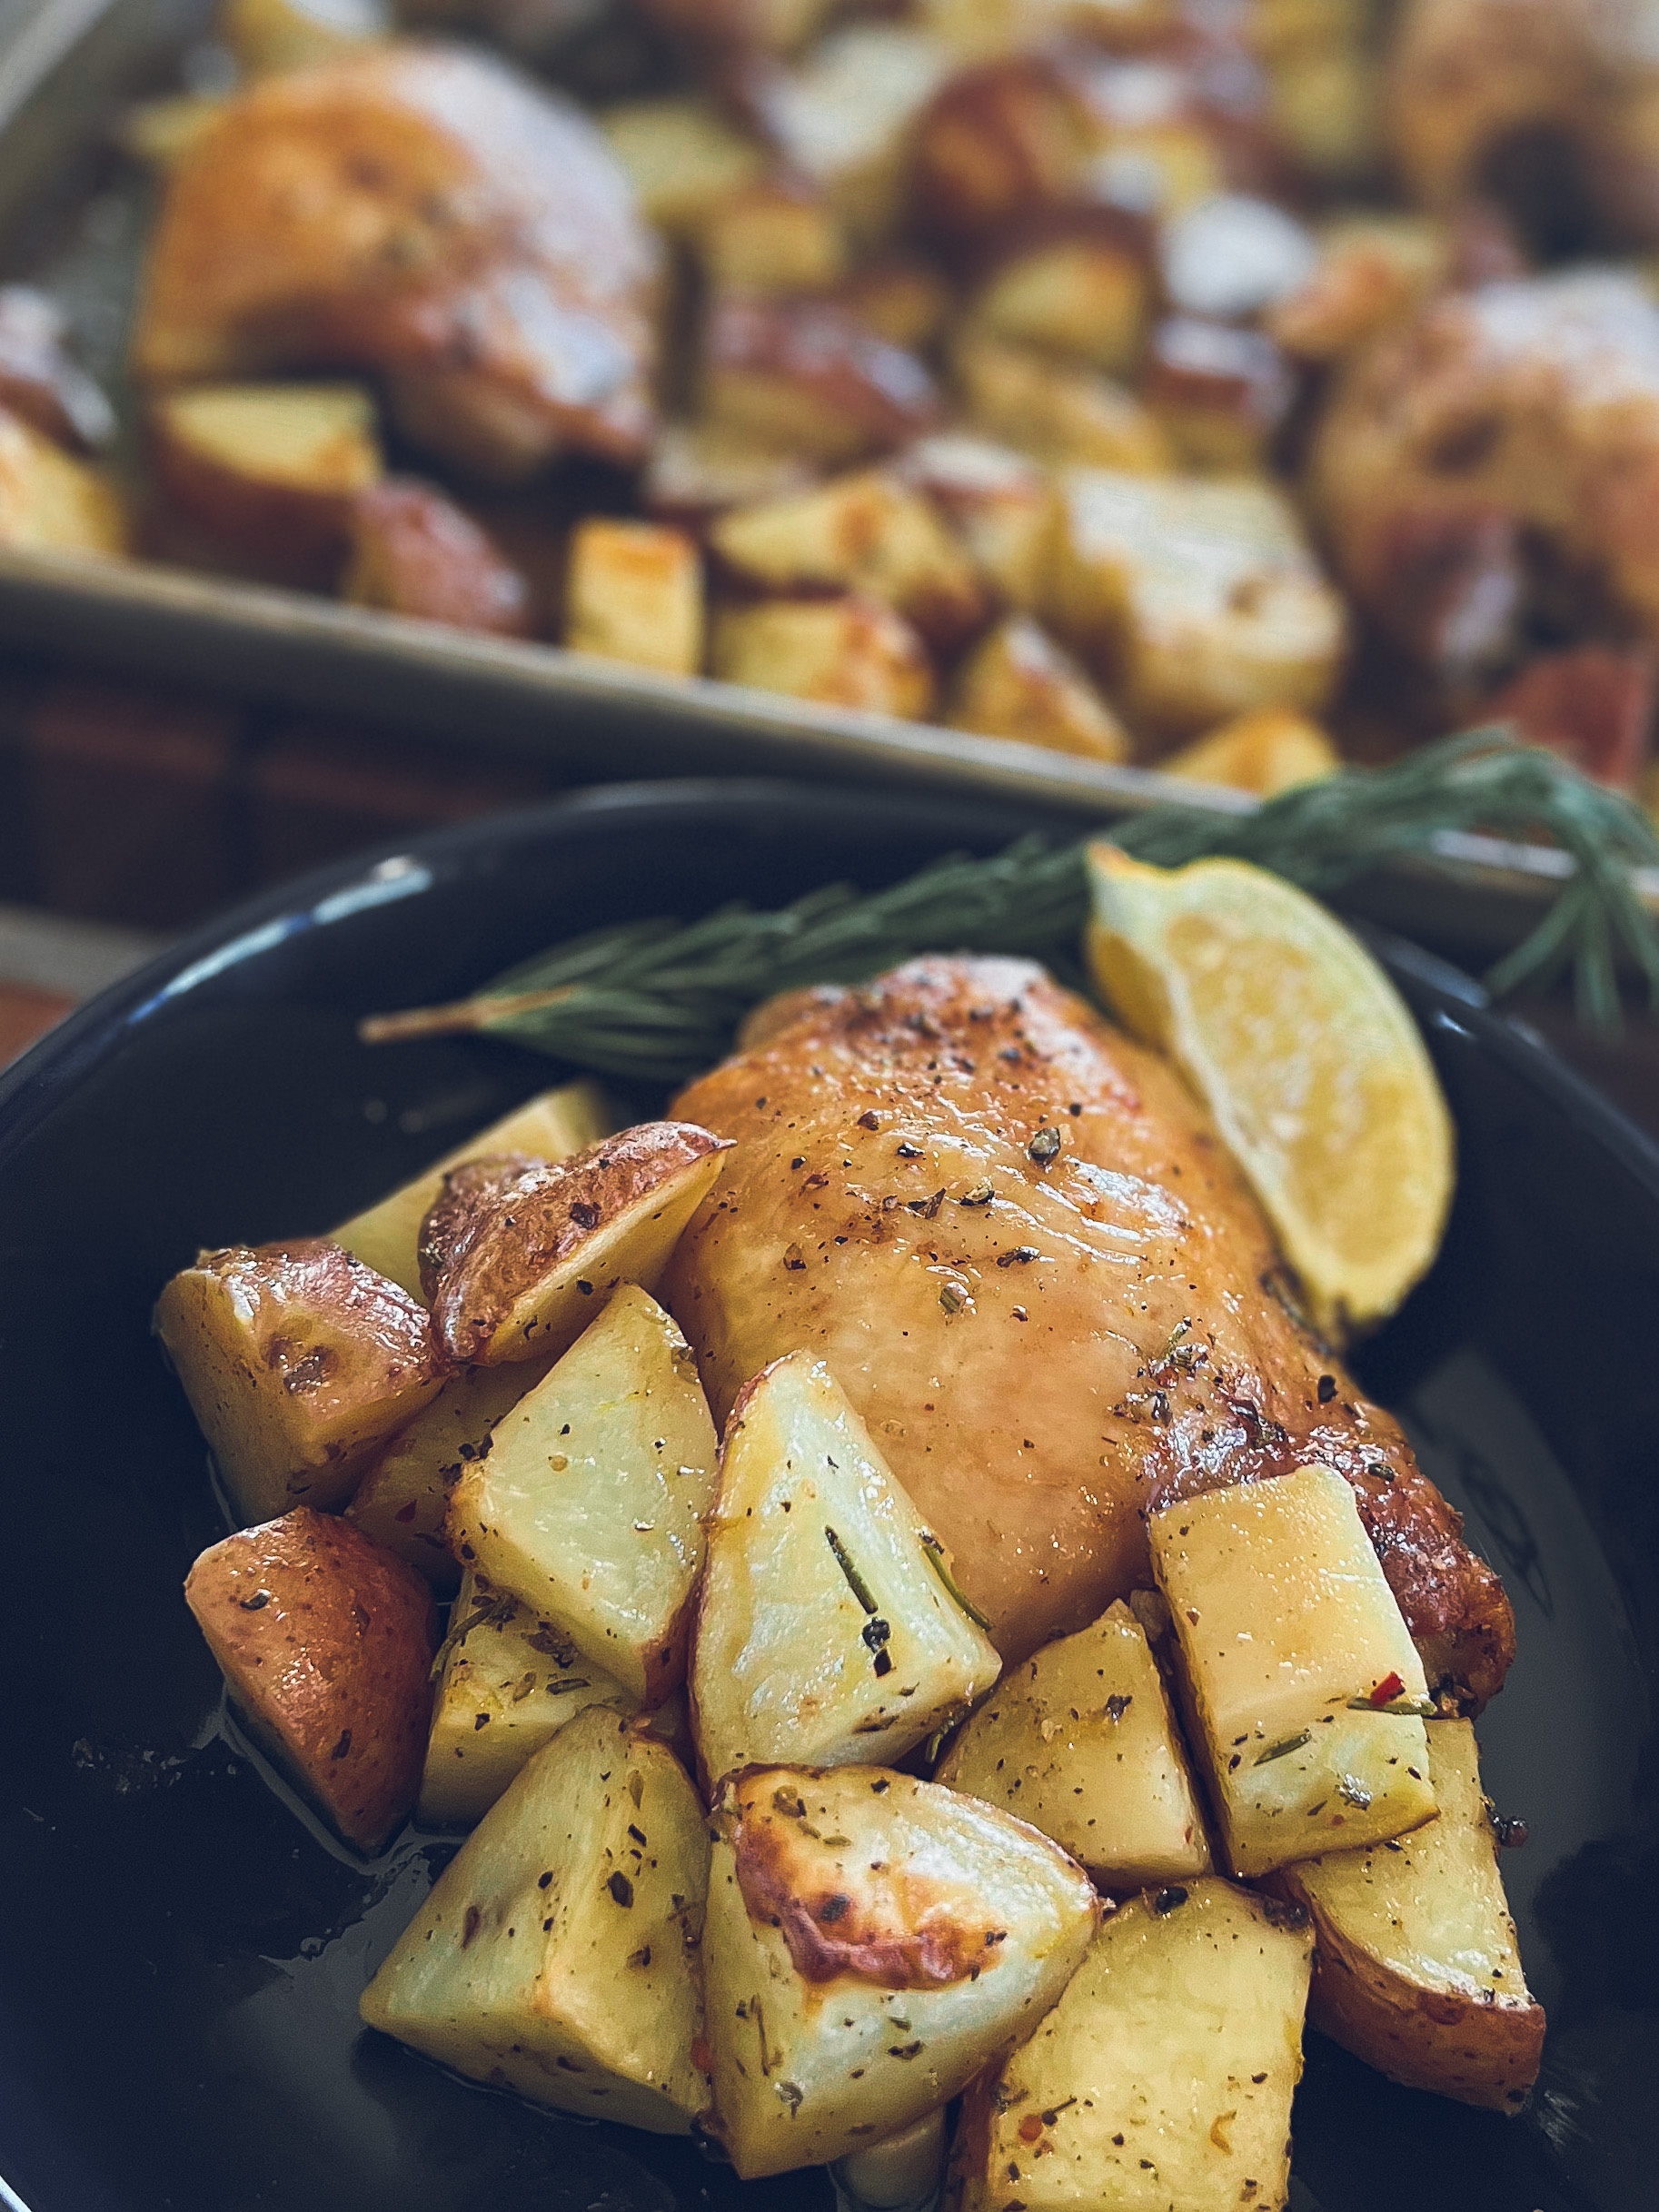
[[1230, 386]]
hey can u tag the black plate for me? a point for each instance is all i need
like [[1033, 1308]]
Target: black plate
[[180, 1952]]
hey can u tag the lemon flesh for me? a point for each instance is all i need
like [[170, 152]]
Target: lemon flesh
[[1305, 1056]]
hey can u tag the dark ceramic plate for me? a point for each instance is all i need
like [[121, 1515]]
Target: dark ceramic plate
[[180, 1952]]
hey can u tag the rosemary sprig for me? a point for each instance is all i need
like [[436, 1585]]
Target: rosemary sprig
[[659, 1001]]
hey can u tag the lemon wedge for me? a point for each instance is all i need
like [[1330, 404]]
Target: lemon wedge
[[1305, 1056]]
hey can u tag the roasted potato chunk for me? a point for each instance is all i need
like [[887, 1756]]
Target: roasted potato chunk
[[840, 652], [1268, 752], [517, 1255], [556, 1954], [999, 502], [843, 118], [1082, 1743], [698, 469], [1085, 295], [871, 1941], [1197, 600], [50, 501], [589, 1502], [271, 469], [548, 1126], [414, 551], [775, 234], [269, 36], [326, 1642], [1056, 411], [1018, 683], [1305, 1685], [1416, 1970], [682, 157], [298, 1361], [511, 1682], [635, 592], [1163, 2076], [1221, 393], [403, 1497], [1372, 271], [809, 376], [901, 299], [828, 1626], [870, 534]]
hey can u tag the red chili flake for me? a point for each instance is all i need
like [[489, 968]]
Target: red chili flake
[[702, 2058], [1387, 1690], [1031, 2128]]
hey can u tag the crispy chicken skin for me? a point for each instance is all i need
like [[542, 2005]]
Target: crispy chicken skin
[[421, 212], [1498, 425], [1553, 101], [1030, 1264]]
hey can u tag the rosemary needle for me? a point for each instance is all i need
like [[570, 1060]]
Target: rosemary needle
[[659, 1001]]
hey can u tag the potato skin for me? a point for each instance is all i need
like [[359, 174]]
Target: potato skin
[[298, 1361], [290, 520], [414, 551], [500, 1227], [327, 1640]]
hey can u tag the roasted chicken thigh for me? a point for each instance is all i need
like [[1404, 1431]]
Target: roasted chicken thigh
[[423, 213], [1028, 1261]]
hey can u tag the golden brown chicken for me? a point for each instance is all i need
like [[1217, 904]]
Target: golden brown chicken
[[1497, 459], [1551, 106], [1028, 1261], [421, 212]]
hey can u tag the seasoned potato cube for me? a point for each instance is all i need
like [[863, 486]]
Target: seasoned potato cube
[[809, 376], [1081, 1741], [635, 592], [1018, 683], [682, 157], [1416, 1968], [415, 552], [271, 468], [51, 500], [1294, 1651], [1268, 752], [1198, 599], [827, 1627], [840, 652], [999, 502], [325, 1641], [870, 534], [556, 1954], [268, 35], [589, 1502], [1221, 393], [1057, 412], [871, 1941], [776, 234], [1086, 296], [298, 1361], [1372, 271], [548, 1126], [517, 1255], [698, 469], [842, 117], [403, 1500], [511, 1682], [1162, 2078], [899, 298]]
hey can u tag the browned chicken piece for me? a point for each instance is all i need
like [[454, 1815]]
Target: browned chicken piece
[[1028, 1261], [421, 212], [1505, 443], [1550, 106], [414, 551]]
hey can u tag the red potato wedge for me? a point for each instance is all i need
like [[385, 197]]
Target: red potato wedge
[[50, 498], [1415, 1969], [1221, 393], [298, 1361], [414, 551], [518, 1255], [326, 1643], [271, 469]]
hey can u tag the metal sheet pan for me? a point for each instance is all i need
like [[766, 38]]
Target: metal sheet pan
[[73, 216]]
